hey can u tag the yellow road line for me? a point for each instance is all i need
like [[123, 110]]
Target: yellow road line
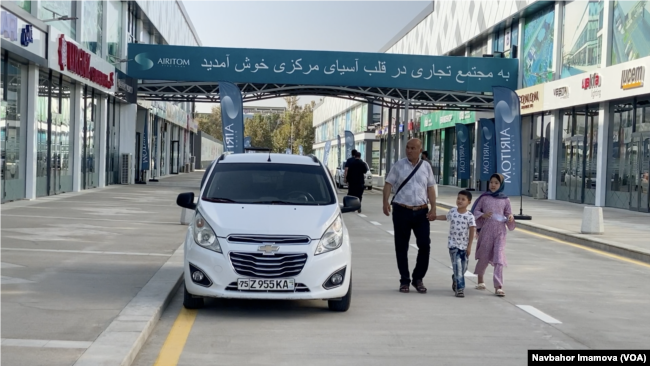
[[592, 250], [175, 342]]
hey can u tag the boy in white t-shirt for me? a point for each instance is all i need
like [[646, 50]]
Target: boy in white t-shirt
[[462, 227]]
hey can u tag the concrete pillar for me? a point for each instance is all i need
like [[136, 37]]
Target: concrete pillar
[[602, 181], [520, 50], [389, 142], [103, 126], [557, 45], [608, 15], [77, 122], [128, 114], [553, 160], [31, 145]]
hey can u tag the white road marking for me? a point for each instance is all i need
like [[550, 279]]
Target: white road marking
[[362, 215], [539, 314], [467, 273], [43, 343], [87, 252], [391, 232], [4, 265], [375, 223], [13, 281], [92, 219]]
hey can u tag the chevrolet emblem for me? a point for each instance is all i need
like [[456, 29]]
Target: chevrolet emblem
[[268, 249]]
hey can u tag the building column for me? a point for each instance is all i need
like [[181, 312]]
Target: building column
[[557, 45], [404, 137], [607, 34], [520, 50], [553, 159], [103, 126], [128, 114], [76, 119], [389, 142], [31, 146], [602, 155]]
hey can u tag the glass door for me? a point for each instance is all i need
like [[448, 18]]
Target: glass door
[[56, 163], [174, 157], [576, 169], [639, 172]]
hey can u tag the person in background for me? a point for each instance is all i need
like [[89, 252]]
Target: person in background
[[493, 215], [357, 170], [347, 162]]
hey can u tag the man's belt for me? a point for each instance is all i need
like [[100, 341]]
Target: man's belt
[[414, 208]]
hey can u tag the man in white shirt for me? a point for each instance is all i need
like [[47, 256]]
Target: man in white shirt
[[411, 212]]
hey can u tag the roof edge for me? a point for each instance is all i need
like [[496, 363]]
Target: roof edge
[[189, 22], [409, 27]]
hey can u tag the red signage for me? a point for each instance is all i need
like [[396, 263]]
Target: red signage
[[411, 125], [77, 61], [592, 81]]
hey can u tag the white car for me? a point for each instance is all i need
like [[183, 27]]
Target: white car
[[268, 226], [339, 177]]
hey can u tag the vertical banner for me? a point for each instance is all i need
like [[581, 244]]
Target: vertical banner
[[247, 141], [300, 149], [146, 159], [338, 138], [463, 151], [326, 153], [487, 149], [154, 147], [349, 144], [232, 117], [507, 125], [287, 151]]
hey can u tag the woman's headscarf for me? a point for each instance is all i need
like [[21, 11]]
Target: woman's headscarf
[[498, 194]]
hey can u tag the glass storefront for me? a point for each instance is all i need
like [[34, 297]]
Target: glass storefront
[[12, 132], [61, 132], [42, 133], [91, 34], [112, 142], [90, 149], [536, 131], [629, 159], [578, 151]]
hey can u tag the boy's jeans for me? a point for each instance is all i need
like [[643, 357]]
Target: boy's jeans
[[459, 266]]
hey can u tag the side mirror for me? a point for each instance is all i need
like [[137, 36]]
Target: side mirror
[[186, 200], [350, 204]]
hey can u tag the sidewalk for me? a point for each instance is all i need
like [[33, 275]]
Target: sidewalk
[[85, 276], [627, 233]]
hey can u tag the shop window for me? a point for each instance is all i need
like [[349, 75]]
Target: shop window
[[55, 9], [91, 34], [114, 32]]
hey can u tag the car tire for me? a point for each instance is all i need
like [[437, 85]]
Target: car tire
[[343, 304], [190, 302]]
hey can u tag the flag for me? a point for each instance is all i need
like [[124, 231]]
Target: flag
[[507, 125], [487, 149], [462, 151], [349, 143], [326, 153], [232, 117], [146, 159]]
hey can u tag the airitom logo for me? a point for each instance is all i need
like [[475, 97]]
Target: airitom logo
[[173, 62], [632, 78], [144, 61]]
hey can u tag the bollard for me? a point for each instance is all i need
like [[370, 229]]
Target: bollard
[[592, 221], [187, 214]]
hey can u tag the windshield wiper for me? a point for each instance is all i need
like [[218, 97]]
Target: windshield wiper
[[278, 202], [218, 200]]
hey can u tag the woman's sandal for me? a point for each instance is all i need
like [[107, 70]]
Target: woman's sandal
[[404, 289], [480, 286], [499, 292]]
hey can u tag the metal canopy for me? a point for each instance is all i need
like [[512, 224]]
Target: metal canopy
[[178, 73]]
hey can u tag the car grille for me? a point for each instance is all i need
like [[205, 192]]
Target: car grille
[[264, 239], [268, 266], [299, 287]]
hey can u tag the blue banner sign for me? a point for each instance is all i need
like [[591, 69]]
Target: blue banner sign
[[146, 159], [266, 66], [326, 153], [463, 151], [507, 125], [487, 149], [232, 117], [247, 141], [338, 138], [349, 144]]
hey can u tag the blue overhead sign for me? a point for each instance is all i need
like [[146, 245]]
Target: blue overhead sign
[[264, 66]]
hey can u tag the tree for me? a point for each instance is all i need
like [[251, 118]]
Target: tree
[[260, 128], [212, 124], [296, 128]]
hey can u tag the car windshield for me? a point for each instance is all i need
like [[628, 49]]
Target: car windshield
[[264, 183]]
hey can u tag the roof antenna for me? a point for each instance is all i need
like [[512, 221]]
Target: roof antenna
[[269, 160]]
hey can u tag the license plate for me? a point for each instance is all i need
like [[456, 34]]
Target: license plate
[[254, 284]]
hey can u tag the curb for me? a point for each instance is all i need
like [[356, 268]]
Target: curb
[[579, 239], [122, 340]]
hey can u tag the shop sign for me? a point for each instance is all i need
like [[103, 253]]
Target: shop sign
[[67, 57], [531, 99], [21, 33], [561, 92], [632, 78], [127, 87], [593, 82]]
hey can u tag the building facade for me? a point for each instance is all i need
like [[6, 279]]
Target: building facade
[[583, 88], [70, 119]]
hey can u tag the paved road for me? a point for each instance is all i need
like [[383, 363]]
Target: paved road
[[598, 299], [71, 263]]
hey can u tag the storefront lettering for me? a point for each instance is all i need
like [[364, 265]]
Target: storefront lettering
[[506, 164], [562, 92], [10, 30], [446, 119], [173, 62], [528, 100], [632, 78], [77, 61], [593, 81]]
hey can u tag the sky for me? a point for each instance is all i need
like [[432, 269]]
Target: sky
[[362, 26]]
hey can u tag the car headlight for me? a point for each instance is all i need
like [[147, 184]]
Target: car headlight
[[204, 235], [332, 239]]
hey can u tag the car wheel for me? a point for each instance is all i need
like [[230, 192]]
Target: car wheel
[[344, 303], [190, 302]]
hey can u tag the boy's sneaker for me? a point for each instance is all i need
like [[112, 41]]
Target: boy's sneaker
[[460, 293]]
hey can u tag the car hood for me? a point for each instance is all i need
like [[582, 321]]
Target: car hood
[[233, 218]]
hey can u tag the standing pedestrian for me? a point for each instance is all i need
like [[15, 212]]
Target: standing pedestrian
[[493, 214], [415, 187], [357, 170]]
